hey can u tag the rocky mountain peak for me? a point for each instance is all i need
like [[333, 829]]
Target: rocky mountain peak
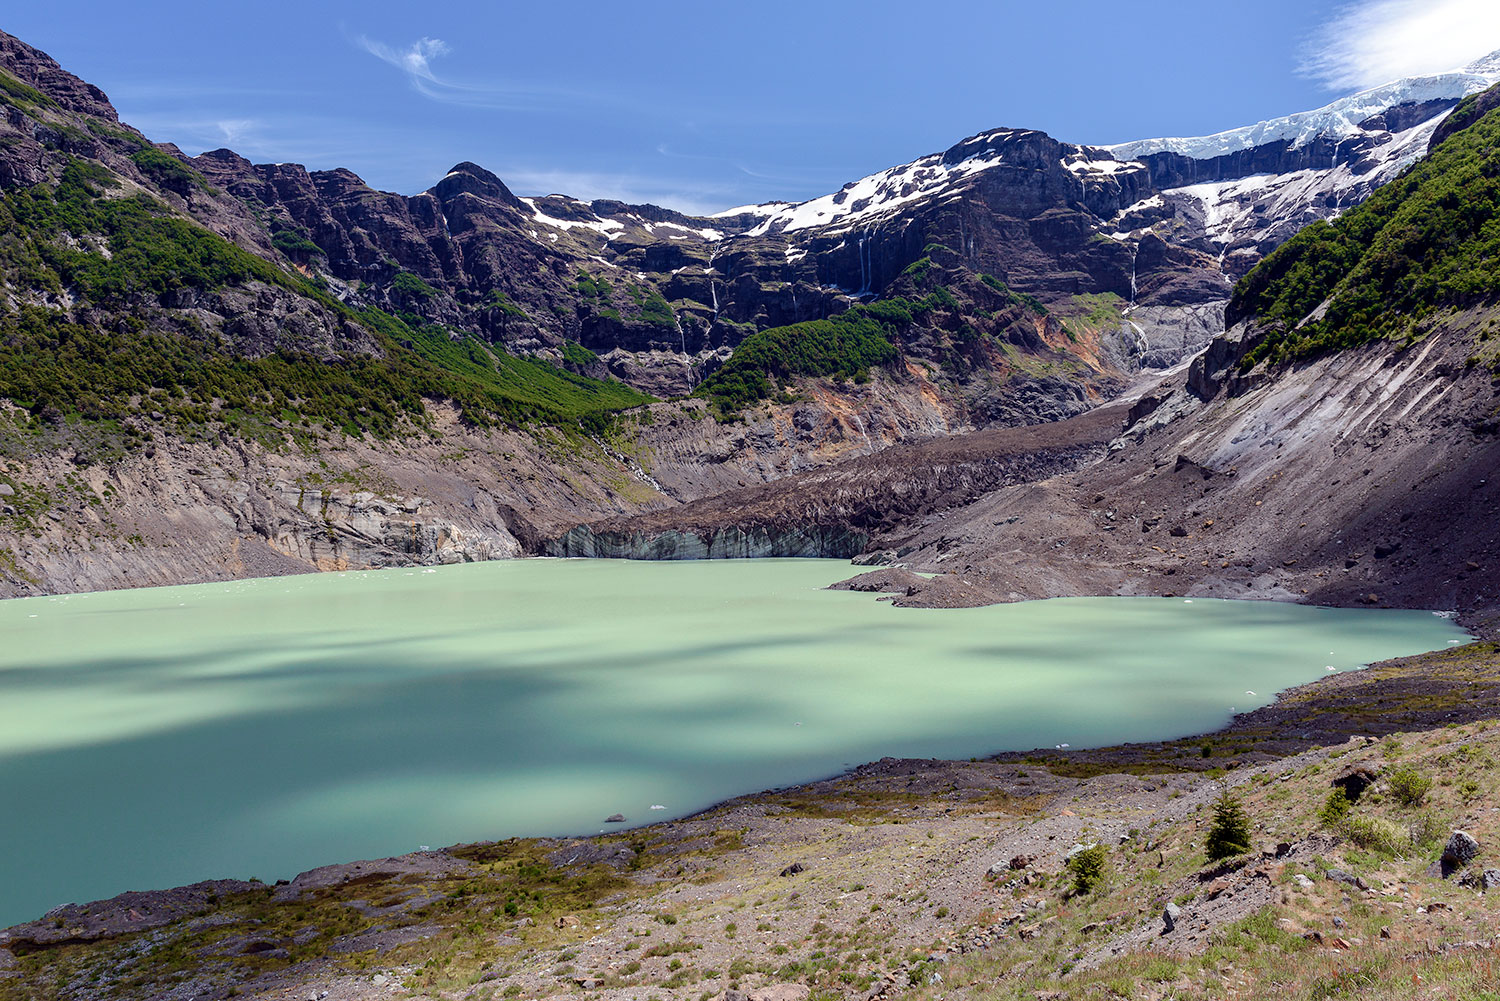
[[472, 179], [38, 70], [997, 144]]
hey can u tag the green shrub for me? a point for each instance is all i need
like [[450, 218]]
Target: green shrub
[[1087, 867], [1229, 835], [1335, 808], [292, 243], [496, 299], [658, 312], [1374, 834], [412, 287], [576, 354], [167, 170], [1408, 785]]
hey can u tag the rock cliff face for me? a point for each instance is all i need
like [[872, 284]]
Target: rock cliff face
[[1164, 225]]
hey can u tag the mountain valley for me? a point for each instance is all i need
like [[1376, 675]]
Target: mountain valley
[[1261, 364]]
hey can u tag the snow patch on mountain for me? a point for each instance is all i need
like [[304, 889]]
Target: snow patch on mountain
[[1236, 211], [608, 228], [861, 202], [1339, 119]]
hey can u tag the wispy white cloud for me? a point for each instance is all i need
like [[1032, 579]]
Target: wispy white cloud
[[414, 61], [236, 130], [1370, 42]]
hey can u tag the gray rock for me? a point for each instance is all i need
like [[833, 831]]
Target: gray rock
[[1460, 850], [615, 818], [1340, 876], [793, 869], [1490, 880], [6, 490], [1170, 915]]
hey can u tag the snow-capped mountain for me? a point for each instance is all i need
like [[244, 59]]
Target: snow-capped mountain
[[1345, 117], [1244, 191], [1164, 225]]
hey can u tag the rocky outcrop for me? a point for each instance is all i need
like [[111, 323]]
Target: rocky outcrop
[[838, 510], [1471, 110], [727, 543], [40, 71]]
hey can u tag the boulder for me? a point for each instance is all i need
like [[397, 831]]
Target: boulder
[[793, 869], [1170, 915], [1460, 850], [615, 818]]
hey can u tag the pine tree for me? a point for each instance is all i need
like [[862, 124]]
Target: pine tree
[[1230, 833]]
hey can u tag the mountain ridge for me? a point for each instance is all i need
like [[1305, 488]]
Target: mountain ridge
[[1012, 279]]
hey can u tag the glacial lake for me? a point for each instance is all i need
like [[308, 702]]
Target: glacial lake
[[155, 737]]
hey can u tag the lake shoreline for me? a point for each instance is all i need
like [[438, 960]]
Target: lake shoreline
[[1245, 741]]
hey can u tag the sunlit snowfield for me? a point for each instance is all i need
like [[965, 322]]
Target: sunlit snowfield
[[257, 728]]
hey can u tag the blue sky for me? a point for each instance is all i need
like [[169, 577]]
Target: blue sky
[[706, 105]]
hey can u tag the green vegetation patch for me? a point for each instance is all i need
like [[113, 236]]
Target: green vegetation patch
[[167, 170], [22, 95], [1021, 298], [413, 287], [50, 361], [847, 345], [1428, 240], [292, 243], [576, 354]]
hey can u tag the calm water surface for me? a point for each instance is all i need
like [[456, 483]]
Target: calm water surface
[[155, 737]]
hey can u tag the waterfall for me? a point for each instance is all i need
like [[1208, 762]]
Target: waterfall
[[860, 425], [1133, 255], [687, 362], [864, 283], [713, 288]]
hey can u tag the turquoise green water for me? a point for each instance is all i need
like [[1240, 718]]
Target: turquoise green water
[[155, 737]]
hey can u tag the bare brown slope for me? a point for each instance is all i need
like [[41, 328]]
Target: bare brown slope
[[1364, 477], [851, 502]]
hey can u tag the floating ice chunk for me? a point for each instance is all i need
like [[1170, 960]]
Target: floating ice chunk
[[657, 806]]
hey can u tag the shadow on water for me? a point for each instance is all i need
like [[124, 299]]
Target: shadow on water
[[266, 751]]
